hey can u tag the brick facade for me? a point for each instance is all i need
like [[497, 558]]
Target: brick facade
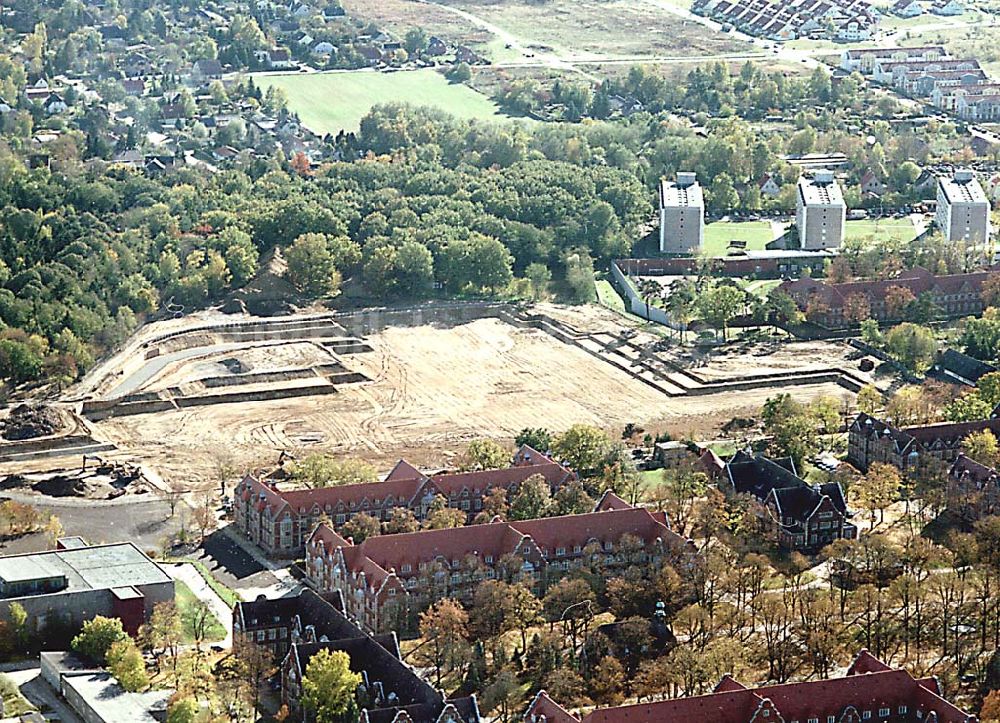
[[386, 580], [871, 692], [280, 521], [872, 440], [796, 515], [953, 295]]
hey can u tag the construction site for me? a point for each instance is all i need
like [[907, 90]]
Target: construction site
[[189, 396]]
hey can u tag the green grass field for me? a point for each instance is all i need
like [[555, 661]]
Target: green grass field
[[331, 102], [757, 234], [607, 296], [185, 600], [901, 229]]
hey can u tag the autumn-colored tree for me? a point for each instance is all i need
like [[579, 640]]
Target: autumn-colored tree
[[857, 308], [328, 685], [401, 520], [533, 499], [897, 300], [878, 489], [869, 399], [608, 681], [485, 454], [126, 664], [982, 447], [442, 517], [988, 387], [300, 164], [990, 290], [494, 505], [444, 628], [360, 527]]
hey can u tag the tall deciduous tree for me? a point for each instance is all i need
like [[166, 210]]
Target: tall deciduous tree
[[97, 636], [329, 685], [311, 266]]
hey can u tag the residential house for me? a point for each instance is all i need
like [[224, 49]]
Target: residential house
[[870, 691], [134, 87], [137, 64], [386, 580], [797, 515], [907, 8], [863, 60], [871, 185], [768, 185], [205, 70], [436, 46], [333, 11], [893, 72], [947, 7], [323, 48], [280, 521], [54, 104], [465, 54], [825, 302], [872, 440]]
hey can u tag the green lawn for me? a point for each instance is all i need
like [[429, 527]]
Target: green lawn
[[229, 596], [757, 234], [760, 287], [331, 102], [185, 600], [901, 229], [607, 296]]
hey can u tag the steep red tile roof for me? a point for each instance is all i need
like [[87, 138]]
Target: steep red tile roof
[[610, 501], [405, 481], [870, 687], [916, 280], [543, 707], [379, 555], [552, 532]]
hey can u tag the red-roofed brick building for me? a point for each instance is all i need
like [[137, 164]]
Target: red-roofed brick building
[[386, 580], [953, 295], [279, 521], [871, 440], [871, 691]]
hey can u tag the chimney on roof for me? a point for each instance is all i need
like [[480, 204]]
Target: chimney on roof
[[686, 178]]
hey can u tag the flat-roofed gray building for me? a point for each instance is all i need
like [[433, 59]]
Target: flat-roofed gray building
[[682, 215], [963, 210], [820, 211], [64, 588]]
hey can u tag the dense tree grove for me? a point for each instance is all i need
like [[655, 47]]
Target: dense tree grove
[[86, 250]]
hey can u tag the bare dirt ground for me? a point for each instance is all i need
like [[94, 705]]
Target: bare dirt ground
[[433, 388], [271, 358], [568, 29]]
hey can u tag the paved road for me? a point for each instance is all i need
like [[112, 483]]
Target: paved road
[[144, 520], [189, 575]]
